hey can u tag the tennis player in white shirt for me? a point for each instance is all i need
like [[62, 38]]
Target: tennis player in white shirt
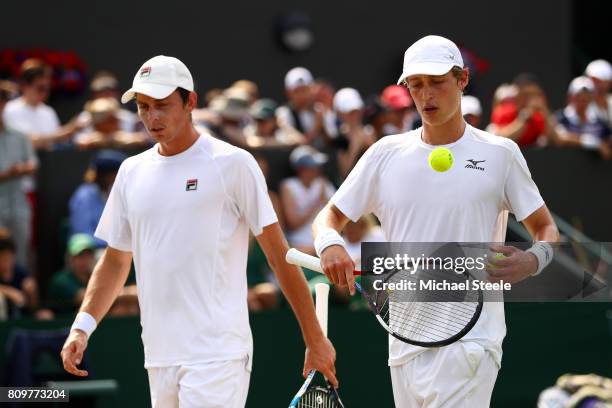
[[468, 203], [182, 210]]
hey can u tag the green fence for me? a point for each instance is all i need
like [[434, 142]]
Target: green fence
[[543, 342]]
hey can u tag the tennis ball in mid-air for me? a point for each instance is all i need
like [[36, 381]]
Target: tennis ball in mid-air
[[440, 159]]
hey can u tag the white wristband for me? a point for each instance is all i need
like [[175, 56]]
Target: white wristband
[[544, 252], [86, 322], [326, 238]]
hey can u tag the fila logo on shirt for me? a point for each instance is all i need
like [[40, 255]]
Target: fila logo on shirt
[[473, 164], [191, 185]]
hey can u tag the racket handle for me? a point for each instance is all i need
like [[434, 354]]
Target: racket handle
[[322, 303], [313, 263]]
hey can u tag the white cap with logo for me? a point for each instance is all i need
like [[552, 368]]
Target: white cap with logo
[[600, 69], [579, 84], [297, 77], [431, 55], [159, 77]]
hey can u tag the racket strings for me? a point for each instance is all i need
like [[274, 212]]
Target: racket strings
[[425, 320], [428, 316], [318, 398]]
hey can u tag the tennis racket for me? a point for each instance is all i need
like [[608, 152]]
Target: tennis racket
[[317, 392], [431, 318]]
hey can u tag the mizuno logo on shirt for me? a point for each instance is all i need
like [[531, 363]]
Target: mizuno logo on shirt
[[473, 164], [191, 185]]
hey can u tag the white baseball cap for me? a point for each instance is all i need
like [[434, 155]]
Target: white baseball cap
[[506, 91], [579, 84], [159, 77], [431, 55], [296, 77], [347, 100], [307, 156], [470, 105], [600, 69]]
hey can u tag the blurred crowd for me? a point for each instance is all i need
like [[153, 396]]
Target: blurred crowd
[[322, 130]]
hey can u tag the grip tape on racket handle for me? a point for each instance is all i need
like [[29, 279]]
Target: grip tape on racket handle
[[299, 258], [313, 263]]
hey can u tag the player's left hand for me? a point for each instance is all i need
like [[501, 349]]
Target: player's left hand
[[516, 266], [321, 356]]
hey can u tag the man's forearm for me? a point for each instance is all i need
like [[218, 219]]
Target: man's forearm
[[548, 233], [104, 286], [329, 217], [296, 291], [291, 281]]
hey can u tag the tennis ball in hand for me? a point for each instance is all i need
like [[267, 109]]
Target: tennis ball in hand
[[440, 159], [496, 256]]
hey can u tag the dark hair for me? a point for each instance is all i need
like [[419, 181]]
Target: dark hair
[[457, 72], [7, 244], [32, 69], [184, 94], [525, 78]]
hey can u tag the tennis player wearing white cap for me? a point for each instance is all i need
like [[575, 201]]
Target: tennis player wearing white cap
[[467, 203], [183, 209]]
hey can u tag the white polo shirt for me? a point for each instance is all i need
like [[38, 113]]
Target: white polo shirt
[[40, 119], [468, 203], [186, 218]]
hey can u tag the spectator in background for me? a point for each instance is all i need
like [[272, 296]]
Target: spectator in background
[[376, 117], [600, 72], [211, 95], [230, 116], [354, 138], [526, 118], [17, 287], [324, 92], [471, 110], [402, 113], [67, 287], [580, 125], [249, 87], [105, 85], [304, 195], [87, 202], [104, 114], [505, 93], [17, 160], [265, 131], [301, 112], [30, 115]]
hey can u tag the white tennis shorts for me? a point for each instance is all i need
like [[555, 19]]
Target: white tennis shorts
[[460, 375], [219, 384]]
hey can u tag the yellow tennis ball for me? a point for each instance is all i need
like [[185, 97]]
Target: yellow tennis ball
[[440, 159], [496, 256], [499, 255]]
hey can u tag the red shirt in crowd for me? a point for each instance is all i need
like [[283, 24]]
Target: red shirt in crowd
[[506, 112]]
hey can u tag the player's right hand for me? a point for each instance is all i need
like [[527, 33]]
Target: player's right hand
[[72, 352], [338, 267], [321, 356]]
